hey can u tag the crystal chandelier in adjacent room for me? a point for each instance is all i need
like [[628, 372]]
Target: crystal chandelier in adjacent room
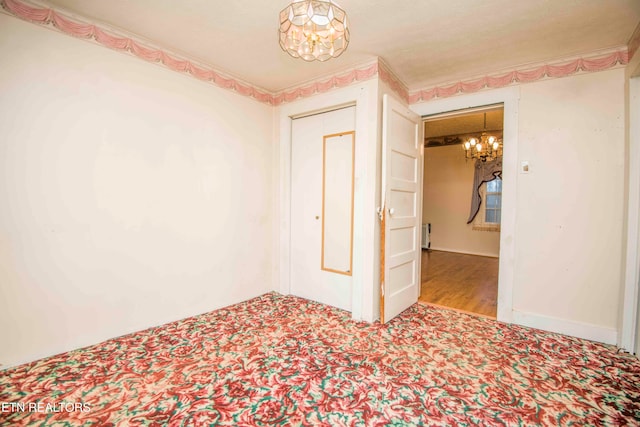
[[314, 30], [485, 147]]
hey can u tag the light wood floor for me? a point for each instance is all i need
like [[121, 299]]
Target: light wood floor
[[460, 281]]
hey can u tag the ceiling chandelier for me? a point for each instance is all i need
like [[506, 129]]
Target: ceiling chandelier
[[484, 148], [314, 30]]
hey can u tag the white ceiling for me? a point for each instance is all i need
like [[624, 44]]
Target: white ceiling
[[425, 42]]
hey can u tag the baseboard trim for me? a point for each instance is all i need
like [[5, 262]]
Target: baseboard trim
[[463, 252], [566, 327]]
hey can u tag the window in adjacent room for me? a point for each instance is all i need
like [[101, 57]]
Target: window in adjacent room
[[488, 218]]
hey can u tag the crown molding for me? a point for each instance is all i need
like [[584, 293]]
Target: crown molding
[[389, 77], [634, 42]]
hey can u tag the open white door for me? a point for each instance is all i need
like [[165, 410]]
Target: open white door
[[402, 151]]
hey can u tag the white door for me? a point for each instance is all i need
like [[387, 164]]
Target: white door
[[402, 151], [308, 278]]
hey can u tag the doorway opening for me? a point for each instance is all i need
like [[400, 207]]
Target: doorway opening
[[461, 233]]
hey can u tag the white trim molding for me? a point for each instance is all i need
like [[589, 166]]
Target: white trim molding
[[567, 327], [510, 98], [363, 95], [463, 252], [631, 293]]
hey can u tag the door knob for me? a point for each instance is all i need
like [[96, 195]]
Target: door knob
[[391, 211]]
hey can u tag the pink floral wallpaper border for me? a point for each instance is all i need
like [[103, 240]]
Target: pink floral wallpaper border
[[386, 75], [76, 28], [50, 17], [321, 86], [564, 69]]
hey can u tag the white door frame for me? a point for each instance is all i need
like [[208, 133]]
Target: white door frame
[[510, 97], [631, 293], [363, 95]]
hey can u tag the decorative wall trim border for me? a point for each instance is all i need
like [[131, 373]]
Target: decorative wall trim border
[[127, 44], [387, 76], [109, 38], [366, 72], [525, 75]]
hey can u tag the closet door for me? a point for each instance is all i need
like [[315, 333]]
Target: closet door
[[322, 147]]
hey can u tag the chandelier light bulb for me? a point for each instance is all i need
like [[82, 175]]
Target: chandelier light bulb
[[483, 148]]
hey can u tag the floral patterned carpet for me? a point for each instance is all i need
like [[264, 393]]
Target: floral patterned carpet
[[281, 360]]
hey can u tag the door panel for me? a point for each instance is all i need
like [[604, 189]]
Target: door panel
[[404, 241], [401, 212], [337, 206], [404, 167], [401, 277], [308, 279], [403, 204]]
